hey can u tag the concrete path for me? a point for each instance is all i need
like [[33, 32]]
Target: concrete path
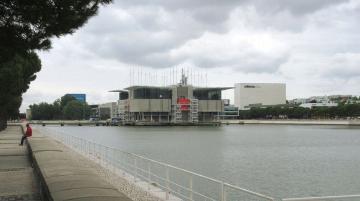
[[17, 179], [67, 175]]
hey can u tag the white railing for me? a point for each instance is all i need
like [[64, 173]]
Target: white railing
[[179, 182], [176, 181], [325, 198]]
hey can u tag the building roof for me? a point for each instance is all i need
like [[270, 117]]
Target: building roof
[[170, 87], [147, 87], [118, 90], [211, 88]]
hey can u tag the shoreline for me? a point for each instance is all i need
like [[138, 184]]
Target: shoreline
[[293, 122]]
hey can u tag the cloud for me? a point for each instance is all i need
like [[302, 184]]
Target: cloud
[[313, 46]]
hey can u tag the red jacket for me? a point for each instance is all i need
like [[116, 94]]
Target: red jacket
[[28, 132]]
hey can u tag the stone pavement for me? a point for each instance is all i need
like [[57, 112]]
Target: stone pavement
[[17, 178], [67, 175]]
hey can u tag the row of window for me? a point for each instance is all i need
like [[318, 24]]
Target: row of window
[[156, 93]]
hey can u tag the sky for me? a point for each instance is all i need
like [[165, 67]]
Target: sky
[[311, 45]]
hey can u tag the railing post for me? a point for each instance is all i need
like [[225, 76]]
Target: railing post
[[106, 155], [135, 175], [223, 198], [149, 175], [191, 187], [167, 182]]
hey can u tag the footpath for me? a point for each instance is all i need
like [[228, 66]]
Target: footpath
[[61, 174], [17, 178]]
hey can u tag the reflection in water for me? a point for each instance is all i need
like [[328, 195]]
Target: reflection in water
[[277, 160]]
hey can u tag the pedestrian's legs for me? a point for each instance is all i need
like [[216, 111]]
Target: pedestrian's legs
[[22, 139]]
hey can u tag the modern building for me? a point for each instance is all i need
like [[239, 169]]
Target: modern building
[[79, 97], [108, 110], [324, 99], [249, 95], [325, 104], [175, 104], [28, 114], [230, 111]]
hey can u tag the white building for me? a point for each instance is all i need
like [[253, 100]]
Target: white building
[[248, 95], [311, 105], [111, 109]]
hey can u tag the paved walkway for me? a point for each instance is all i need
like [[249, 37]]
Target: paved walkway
[[17, 179]]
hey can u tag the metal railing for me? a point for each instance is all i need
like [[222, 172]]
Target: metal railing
[[325, 198], [175, 181]]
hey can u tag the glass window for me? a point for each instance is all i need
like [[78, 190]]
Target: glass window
[[207, 94], [152, 93]]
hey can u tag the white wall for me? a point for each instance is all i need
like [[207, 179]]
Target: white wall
[[259, 93]]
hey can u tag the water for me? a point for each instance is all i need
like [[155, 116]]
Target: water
[[276, 160]]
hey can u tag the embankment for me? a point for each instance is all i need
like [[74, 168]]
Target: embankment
[[295, 122]]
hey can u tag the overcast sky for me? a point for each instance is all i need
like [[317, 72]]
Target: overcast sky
[[311, 45]]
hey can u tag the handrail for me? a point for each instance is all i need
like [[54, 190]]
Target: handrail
[[249, 192], [101, 151], [322, 198]]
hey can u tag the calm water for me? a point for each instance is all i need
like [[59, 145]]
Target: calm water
[[280, 161]]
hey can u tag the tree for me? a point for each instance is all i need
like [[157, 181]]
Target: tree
[[27, 26], [75, 110], [64, 100], [15, 77], [66, 107]]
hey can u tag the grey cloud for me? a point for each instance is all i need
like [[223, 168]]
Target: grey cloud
[[344, 66], [144, 32], [297, 7]]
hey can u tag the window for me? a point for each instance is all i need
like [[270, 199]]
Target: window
[[207, 94], [123, 95], [152, 93]]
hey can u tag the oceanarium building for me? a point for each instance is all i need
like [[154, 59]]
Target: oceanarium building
[[175, 104]]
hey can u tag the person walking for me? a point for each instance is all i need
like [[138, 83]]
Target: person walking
[[27, 134]]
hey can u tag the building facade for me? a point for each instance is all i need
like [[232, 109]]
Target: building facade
[[176, 104], [249, 95], [311, 105], [108, 110], [79, 97]]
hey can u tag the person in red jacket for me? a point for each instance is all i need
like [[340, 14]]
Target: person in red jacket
[[27, 134]]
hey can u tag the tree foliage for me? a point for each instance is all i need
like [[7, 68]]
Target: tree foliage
[[341, 111], [25, 27], [66, 107], [74, 110]]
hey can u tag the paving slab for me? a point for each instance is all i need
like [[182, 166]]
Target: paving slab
[[17, 182], [17, 179], [23, 197], [67, 174], [13, 162], [66, 185], [56, 172], [12, 152], [88, 193]]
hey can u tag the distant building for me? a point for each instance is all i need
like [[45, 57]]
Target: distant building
[[230, 112], [311, 105], [176, 104], [226, 102], [323, 99], [79, 97], [298, 101], [28, 114], [108, 110], [249, 95]]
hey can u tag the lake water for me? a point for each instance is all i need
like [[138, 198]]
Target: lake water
[[276, 160]]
